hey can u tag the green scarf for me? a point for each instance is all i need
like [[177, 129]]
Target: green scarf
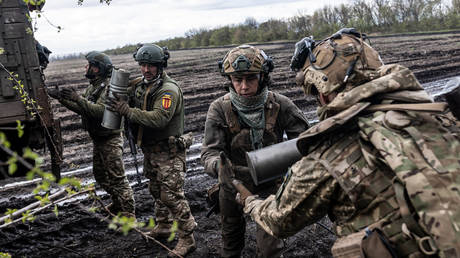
[[251, 112]]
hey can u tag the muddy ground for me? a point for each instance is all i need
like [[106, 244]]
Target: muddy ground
[[77, 232]]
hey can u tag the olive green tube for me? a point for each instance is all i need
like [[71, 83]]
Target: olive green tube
[[273, 161]]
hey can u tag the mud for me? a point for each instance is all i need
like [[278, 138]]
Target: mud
[[77, 232]]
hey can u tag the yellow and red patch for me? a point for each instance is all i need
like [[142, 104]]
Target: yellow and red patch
[[166, 100]]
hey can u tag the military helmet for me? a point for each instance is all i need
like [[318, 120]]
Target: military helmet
[[341, 59], [102, 61], [152, 54], [245, 59]]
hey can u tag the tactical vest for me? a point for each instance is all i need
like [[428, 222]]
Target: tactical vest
[[239, 135], [400, 171], [143, 97]]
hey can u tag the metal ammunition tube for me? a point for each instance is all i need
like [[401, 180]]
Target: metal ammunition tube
[[273, 161], [452, 96], [119, 86]]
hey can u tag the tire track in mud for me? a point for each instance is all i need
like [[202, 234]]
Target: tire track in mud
[[77, 232]]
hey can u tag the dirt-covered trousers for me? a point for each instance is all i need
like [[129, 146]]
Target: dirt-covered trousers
[[234, 227], [166, 171], [109, 171]]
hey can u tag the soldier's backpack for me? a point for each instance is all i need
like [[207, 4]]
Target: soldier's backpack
[[423, 149]]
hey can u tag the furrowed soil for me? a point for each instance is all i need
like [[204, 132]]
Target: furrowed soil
[[78, 232]]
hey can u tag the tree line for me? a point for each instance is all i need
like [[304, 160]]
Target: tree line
[[369, 16]]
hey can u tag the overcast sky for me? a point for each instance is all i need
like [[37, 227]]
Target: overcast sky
[[95, 26]]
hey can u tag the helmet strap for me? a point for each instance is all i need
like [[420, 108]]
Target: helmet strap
[[89, 72], [263, 81]]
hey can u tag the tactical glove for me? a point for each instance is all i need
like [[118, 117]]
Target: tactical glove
[[54, 93], [118, 105], [69, 94]]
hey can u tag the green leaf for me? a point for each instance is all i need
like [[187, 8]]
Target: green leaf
[[30, 175], [56, 212], [73, 181], [2, 50], [4, 255], [151, 224], [28, 153], [19, 128], [4, 141], [174, 228], [12, 168], [113, 226], [26, 216], [10, 211], [43, 200]]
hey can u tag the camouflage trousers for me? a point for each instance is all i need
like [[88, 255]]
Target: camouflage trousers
[[109, 172], [166, 172], [234, 227]]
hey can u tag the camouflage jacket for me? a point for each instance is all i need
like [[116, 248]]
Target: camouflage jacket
[[157, 110], [91, 108], [224, 132], [365, 167]]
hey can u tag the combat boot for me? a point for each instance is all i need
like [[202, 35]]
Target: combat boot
[[161, 230], [185, 245]]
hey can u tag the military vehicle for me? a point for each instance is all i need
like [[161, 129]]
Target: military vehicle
[[20, 56]]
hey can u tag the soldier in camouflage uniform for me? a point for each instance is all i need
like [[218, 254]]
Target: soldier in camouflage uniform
[[383, 163], [108, 166], [156, 114], [247, 118]]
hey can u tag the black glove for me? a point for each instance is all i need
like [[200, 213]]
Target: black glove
[[118, 105], [54, 93], [70, 94]]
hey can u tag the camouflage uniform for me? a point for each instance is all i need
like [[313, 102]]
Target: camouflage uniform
[[108, 166], [224, 132], [387, 168], [157, 122]]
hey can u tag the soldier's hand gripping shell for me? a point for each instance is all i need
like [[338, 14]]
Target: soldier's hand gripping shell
[[116, 104], [54, 93], [69, 94], [243, 192]]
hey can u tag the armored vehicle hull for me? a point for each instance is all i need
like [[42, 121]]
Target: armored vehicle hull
[[32, 108]]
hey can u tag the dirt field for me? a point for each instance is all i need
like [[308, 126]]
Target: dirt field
[[80, 233]]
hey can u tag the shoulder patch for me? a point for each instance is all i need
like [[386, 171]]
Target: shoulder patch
[[166, 100]]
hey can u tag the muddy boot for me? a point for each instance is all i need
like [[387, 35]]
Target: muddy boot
[[161, 230], [184, 246]]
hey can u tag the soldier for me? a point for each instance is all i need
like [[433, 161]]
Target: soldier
[[383, 163], [247, 118], [156, 114], [108, 166]]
